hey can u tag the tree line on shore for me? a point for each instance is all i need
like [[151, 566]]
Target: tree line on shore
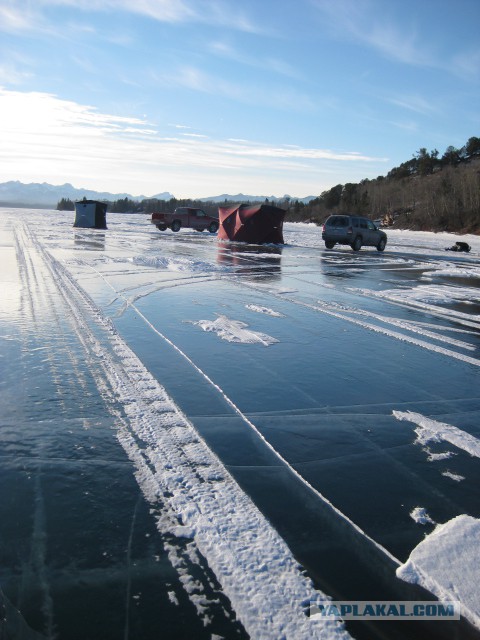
[[149, 205], [427, 192]]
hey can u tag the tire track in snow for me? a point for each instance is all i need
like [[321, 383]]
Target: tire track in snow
[[40, 297], [268, 591], [325, 308], [402, 324], [249, 423], [459, 317]]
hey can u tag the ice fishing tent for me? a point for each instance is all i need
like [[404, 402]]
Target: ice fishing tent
[[256, 224], [91, 214]]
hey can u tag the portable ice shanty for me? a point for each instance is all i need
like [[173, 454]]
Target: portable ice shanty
[[256, 224], [91, 214]]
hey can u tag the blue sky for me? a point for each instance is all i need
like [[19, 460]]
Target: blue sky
[[204, 97]]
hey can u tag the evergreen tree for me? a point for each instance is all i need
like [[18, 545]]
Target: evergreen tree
[[65, 205]]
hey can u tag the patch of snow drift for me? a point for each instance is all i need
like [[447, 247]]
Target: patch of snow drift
[[446, 563], [429, 430], [420, 515], [235, 331]]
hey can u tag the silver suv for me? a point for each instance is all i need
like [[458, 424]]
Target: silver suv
[[354, 231]]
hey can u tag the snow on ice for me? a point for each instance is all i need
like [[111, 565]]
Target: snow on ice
[[429, 430], [235, 331], [446, 563], [420, 515]]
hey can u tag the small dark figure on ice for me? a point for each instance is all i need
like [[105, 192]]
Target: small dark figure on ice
[[459, 246]]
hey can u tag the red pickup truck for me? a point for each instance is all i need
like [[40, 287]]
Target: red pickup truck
[[185, 217]]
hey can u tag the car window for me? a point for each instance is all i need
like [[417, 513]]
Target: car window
[[371, 225], [200, 213], [363, 224], [337, 221]]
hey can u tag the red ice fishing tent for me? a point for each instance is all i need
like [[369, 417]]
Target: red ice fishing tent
[[257, 224], [91, 214]]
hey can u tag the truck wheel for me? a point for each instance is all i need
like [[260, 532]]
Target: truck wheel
[[176, 224], [213, 227], [161, 227], [329, 244], [381, 244], [357, 243]]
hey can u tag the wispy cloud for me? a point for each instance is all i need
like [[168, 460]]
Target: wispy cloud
[[12, 75], [270, 63], [18, 15], [366, 23], [415, 103], [273, 96], [408, 126], [195, 135], [49, 139], [467, 64]]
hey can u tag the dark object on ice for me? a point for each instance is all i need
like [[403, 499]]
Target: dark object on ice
[[90, 214], [354, 231], [189, 217], [256, 224], [459, 246]]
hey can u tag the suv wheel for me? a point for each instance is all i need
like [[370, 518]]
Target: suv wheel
[[213, 227], [329, 244], [357, 243], [381, 244], [176, 224]]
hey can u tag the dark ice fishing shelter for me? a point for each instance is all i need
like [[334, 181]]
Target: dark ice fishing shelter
[[91, 214], [256, 224]]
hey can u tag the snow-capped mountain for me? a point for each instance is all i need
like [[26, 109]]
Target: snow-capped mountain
[[48, 195], [35, 194]]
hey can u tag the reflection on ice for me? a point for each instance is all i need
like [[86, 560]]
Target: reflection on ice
[[259, 262], [93, 240]]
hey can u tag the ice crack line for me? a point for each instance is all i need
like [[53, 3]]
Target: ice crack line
[[378, 329], [229, 530], [239, 412]]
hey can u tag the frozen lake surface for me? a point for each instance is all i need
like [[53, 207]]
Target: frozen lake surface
[[200, 438]]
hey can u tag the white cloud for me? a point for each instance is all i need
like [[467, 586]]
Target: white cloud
[[365, 21], [467, 64], [10, 74], [415, 103], [275, 96], [195, 135], [272, 64], [21, 15], [48, 139], [17, 17]]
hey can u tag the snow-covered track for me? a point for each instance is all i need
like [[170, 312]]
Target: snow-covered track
[[198, 497]]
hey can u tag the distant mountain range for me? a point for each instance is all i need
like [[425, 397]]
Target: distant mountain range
[[44, 195], [241, 197], [48, 195]]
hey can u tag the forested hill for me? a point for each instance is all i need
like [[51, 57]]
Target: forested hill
[[428, 192]]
